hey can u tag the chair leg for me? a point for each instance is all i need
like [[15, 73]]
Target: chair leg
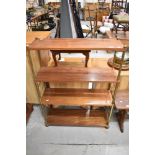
[[121, 117]]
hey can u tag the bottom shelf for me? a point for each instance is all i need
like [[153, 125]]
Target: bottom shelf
[[77, 117]]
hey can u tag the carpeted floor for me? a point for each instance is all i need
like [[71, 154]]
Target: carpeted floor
[[60, 140]]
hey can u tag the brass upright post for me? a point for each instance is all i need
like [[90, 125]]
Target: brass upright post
[[117, 84]]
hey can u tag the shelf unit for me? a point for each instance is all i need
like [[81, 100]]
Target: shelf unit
[[74, 107]]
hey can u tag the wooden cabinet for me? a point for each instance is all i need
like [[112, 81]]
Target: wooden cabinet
[[31, 91]]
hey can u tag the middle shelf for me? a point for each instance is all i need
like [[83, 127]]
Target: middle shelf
[[76, 97], [76, 74]]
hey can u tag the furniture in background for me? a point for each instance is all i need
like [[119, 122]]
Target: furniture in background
[[117, 6], [121, 22], [77, 97], [116, 60], [122, 105], [95, 6], [88, 29]]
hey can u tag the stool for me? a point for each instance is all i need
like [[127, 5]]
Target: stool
[[122, 105]]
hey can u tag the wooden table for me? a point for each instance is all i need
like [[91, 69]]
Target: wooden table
[[31, 91]]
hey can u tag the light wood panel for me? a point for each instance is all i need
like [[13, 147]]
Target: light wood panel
[[30, 36], [31, 91]]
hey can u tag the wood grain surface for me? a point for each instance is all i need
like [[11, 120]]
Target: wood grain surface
[[77, 44], [122, 100], [75, 74], [73, 117], [76, 97]]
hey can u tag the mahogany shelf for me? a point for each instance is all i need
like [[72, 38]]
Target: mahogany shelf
[[62, 44], [76, 97], [77, 117], [75, 74]]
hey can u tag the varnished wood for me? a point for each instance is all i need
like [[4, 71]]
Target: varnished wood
[[77, 117], [121, 118], [122, 100], [78, 74], [76, 97], [77, 44], [122, 104]]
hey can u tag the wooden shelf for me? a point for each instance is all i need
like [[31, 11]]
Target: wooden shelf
[[76, 97], [75, 74], [87, 44], [77, 117]]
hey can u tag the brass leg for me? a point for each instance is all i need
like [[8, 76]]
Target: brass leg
[[121, 117], [118, 76]]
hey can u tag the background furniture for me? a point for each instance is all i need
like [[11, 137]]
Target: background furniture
[[116, 60], [95, 6], [117, 6], [121, 22]]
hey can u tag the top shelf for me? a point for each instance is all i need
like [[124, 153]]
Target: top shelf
[[65, 44]]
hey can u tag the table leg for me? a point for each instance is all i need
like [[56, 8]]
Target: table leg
[[54, 58], [59, 56], [121, 117], [86, 59]]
